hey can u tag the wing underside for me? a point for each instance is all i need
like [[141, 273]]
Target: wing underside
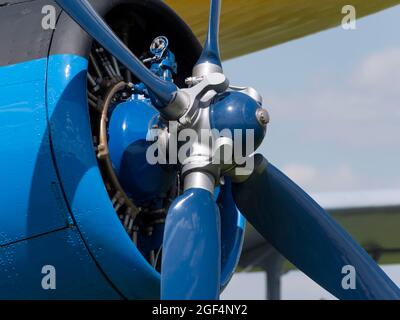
[[251, 25]]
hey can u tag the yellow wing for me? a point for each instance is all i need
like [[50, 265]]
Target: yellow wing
[[252, 25]]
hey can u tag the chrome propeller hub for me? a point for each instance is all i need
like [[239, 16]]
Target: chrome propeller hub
[[217, 127]]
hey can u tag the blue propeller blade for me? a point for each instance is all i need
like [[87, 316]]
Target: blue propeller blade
[[191, 257], [84, 14], [210, 52], [308, 237], [232, 229]]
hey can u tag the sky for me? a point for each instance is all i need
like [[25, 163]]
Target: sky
[[334, 102]]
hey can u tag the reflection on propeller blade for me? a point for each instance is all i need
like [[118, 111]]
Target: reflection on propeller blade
[[210, 52], [308, 237], [232, 230], [83, 13], [191, 257]]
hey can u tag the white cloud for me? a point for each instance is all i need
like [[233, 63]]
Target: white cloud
[[361, 111], [340, 134], [312, 179], [380, 69], [302, 174]]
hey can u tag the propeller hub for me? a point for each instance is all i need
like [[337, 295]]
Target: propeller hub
[[228, 126]]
